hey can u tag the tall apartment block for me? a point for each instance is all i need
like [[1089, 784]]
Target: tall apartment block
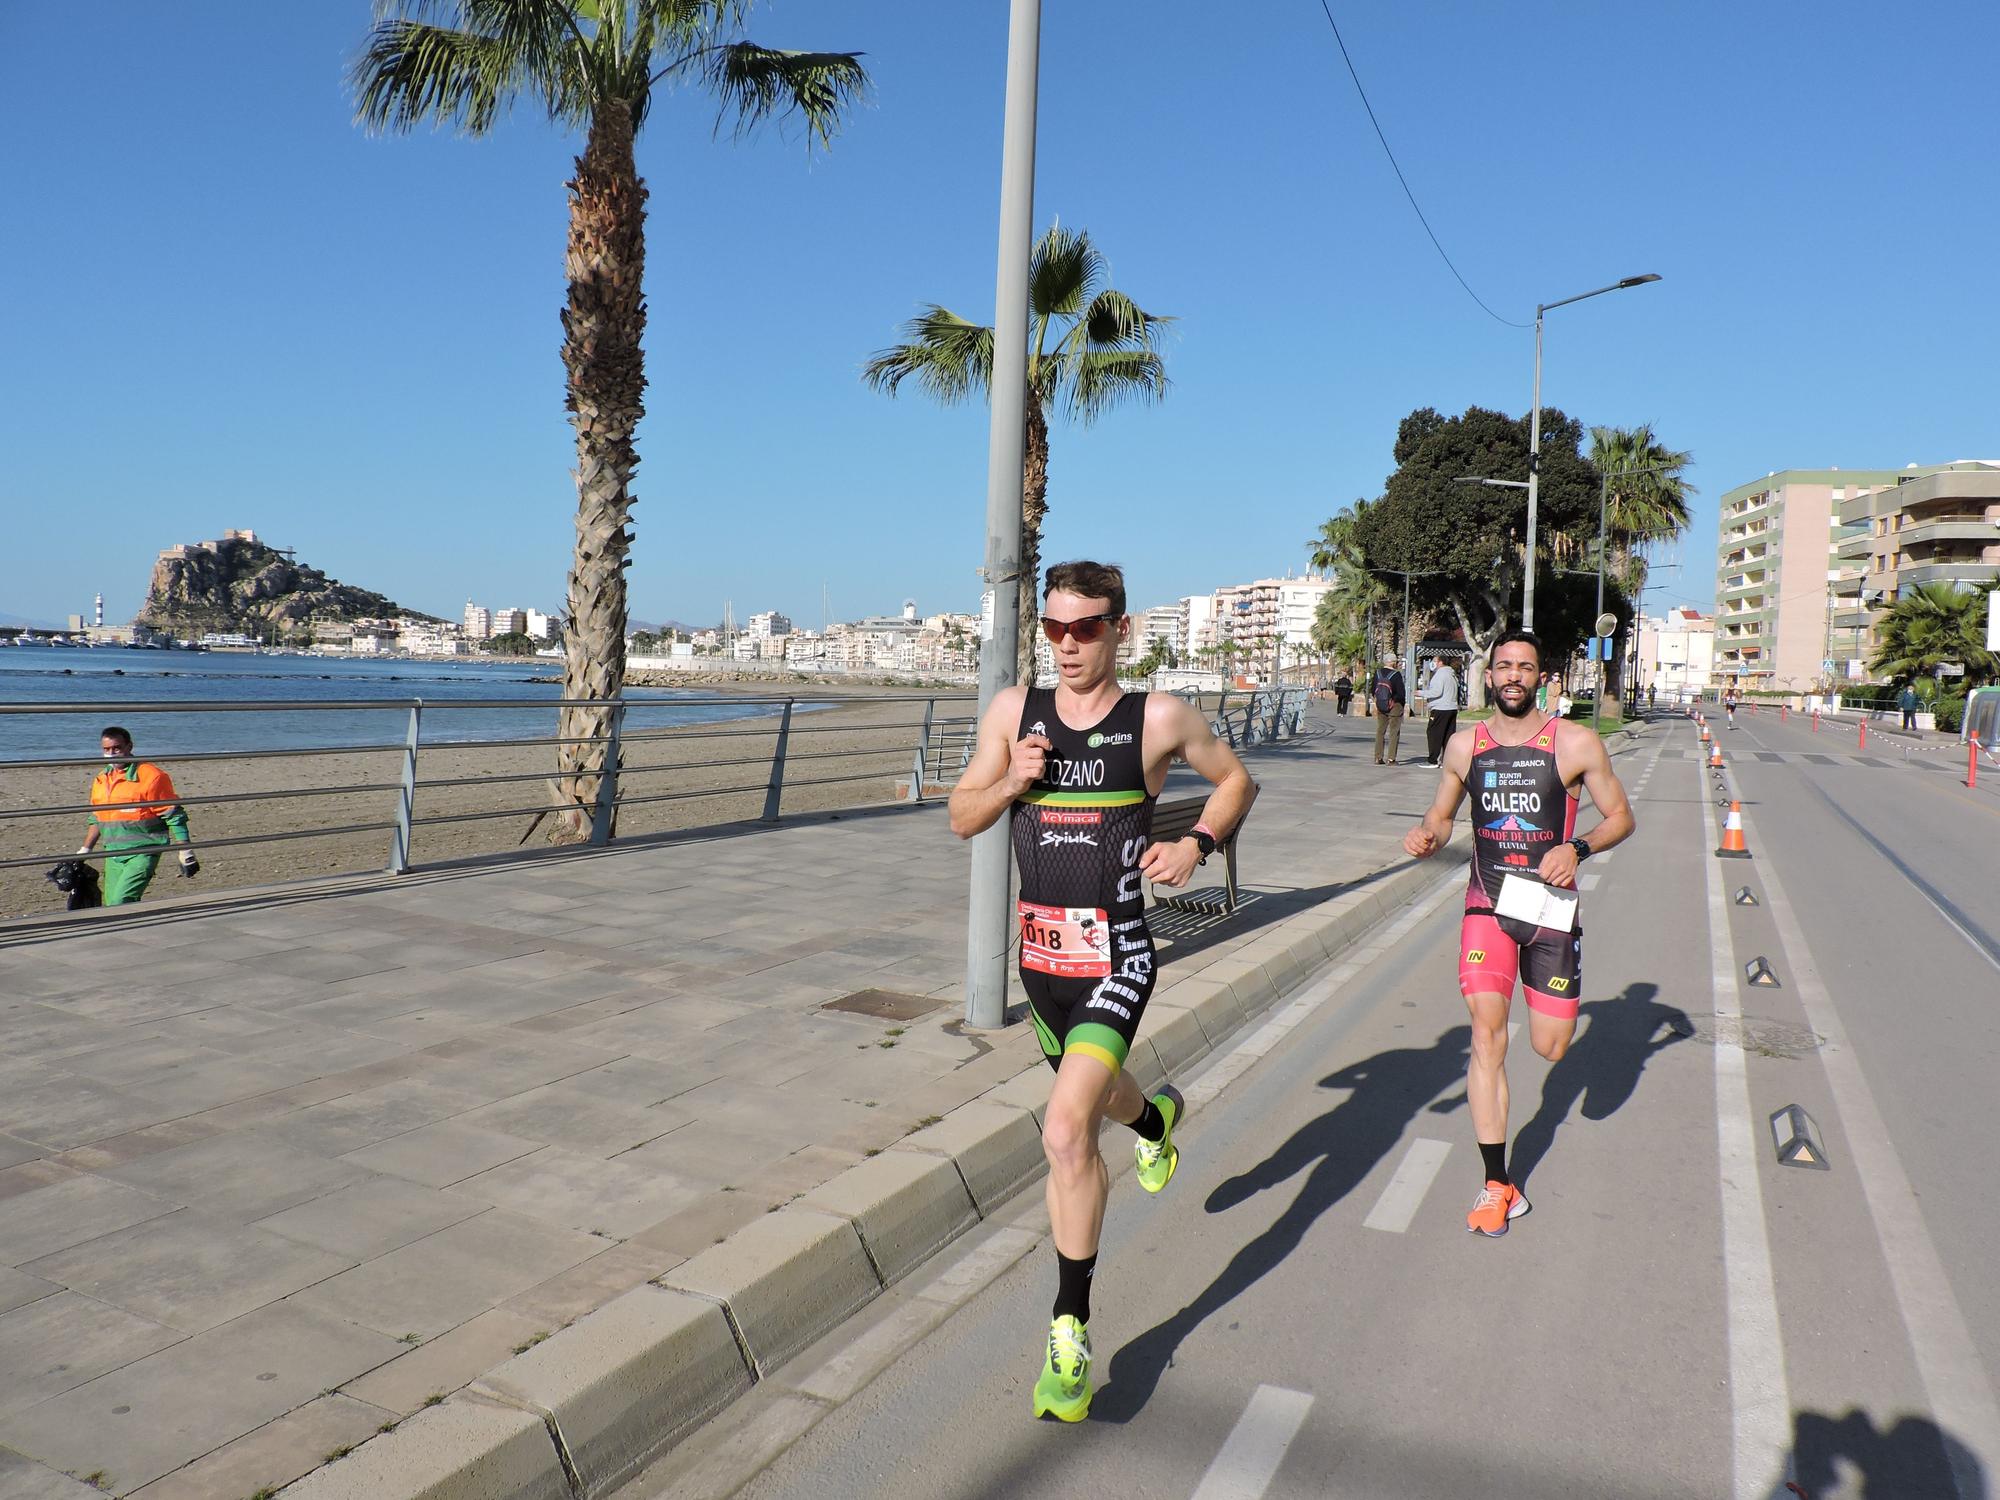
[[1931, 525], [1774, 559], [1809, 560]]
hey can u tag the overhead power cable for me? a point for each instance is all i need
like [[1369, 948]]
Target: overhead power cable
[[1323, 5]]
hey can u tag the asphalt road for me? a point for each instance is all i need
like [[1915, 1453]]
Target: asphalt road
[[1303, 1314]]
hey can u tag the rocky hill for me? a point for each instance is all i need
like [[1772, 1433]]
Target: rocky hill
[[240, 584]]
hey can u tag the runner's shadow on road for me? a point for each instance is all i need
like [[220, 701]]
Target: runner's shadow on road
[[1336, 1150], [1602, 1069], [1913, 1457]]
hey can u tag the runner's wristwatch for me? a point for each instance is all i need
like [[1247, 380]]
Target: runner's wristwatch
[[1582, 847], [1204, 841]]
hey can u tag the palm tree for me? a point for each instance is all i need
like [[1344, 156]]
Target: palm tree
[[1930, 625], [1356, 591], [1641, 509], [1090, 347], [593, 66]]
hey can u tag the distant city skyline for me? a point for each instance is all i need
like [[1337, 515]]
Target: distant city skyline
[[361, 356]]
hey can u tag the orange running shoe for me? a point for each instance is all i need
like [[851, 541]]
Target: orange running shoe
[[1497, 1203]]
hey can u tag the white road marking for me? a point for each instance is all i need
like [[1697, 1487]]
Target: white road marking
[[1249, 1460], [1955, 1380], [1404, 1195], [1588, 880], [1760, 1400], [1244, 1055]]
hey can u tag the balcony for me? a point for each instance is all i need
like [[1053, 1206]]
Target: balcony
[[1948, 529], [1987, 573]]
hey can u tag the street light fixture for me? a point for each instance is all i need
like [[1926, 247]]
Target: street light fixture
[[1535, 434]]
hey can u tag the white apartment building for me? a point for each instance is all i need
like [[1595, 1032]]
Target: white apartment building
[[1197, 624], [1675, 655], [541, 625], [1163, 623], [478, 623], [770, 623], [510, 621]]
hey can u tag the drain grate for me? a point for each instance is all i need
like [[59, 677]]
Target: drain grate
[[885, 1005]]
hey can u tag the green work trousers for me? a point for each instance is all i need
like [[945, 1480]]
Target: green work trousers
[[126, 876]]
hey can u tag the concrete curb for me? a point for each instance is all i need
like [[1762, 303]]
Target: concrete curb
[[468, 1447], [618, 1388], [579, 1415]]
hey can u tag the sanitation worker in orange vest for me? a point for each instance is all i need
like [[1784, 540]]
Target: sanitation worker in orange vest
[[136, 813]]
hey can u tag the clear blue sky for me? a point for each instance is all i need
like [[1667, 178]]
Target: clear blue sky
[[227, 306]]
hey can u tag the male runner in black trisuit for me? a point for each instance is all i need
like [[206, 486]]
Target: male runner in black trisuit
[[1079, 766], [1522, 768]]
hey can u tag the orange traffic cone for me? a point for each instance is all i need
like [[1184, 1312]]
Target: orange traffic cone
[[1733, 846], [1704, 734], [1715, 756]]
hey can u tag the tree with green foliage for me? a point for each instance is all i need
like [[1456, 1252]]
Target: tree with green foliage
[[1470, 537], [1358, 596], [1642, 509], [1090, 348], [513, 643], [1933, 625], [592, 66]]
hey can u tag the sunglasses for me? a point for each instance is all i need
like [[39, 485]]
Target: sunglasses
[[1086, 630]]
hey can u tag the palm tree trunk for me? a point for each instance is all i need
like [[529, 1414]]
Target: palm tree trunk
[[1034, 506], [602, 326]]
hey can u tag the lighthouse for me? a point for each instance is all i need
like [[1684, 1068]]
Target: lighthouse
[[100, 611]]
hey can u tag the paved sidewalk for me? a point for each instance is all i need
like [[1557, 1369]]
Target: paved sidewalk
[[278, 1172]]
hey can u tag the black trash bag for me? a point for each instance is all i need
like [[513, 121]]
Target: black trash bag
[[77, 879]]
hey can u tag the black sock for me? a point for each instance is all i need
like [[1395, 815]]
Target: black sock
[[1073, 1287], [1151, 1124], [1496, 1161]]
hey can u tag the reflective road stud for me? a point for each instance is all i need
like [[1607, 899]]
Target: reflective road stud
[[1797, 1140], [1758, 972]]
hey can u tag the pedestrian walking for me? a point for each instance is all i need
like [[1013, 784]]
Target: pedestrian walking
[[136, 815], [1343, 693], [1391, 700], [1908, 701], [1651, 691], [1441, 702], [1523, 770]]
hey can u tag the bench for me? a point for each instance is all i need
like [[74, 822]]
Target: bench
[[1176, 820]]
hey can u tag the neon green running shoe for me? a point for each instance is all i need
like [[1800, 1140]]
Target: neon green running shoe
[[1157, 1159], [1063, 1391]]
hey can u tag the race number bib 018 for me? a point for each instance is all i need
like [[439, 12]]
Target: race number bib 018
[[1070, 942]]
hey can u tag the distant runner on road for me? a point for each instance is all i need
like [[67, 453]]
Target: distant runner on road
[[1079, 767], [1522, 767]]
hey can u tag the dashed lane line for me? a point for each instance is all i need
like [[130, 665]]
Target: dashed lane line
[[1257, 1444], [1404, 1195]]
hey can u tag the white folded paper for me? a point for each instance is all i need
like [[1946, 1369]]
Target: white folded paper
[[1528, 900]]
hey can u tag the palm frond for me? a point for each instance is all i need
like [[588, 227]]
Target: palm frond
[[411, 72], [1114, 321], [753, 83], [1063, 272], [950, 358], [1102, 378]]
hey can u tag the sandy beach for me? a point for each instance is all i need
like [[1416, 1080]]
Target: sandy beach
[[851, 754]]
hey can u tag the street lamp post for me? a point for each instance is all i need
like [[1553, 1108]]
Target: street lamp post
[[1409, 647], [1535, 433], [988, 931]]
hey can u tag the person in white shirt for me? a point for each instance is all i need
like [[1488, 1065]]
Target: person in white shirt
[[1441, 695]]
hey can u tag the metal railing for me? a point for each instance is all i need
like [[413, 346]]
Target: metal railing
[[927, 750]]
